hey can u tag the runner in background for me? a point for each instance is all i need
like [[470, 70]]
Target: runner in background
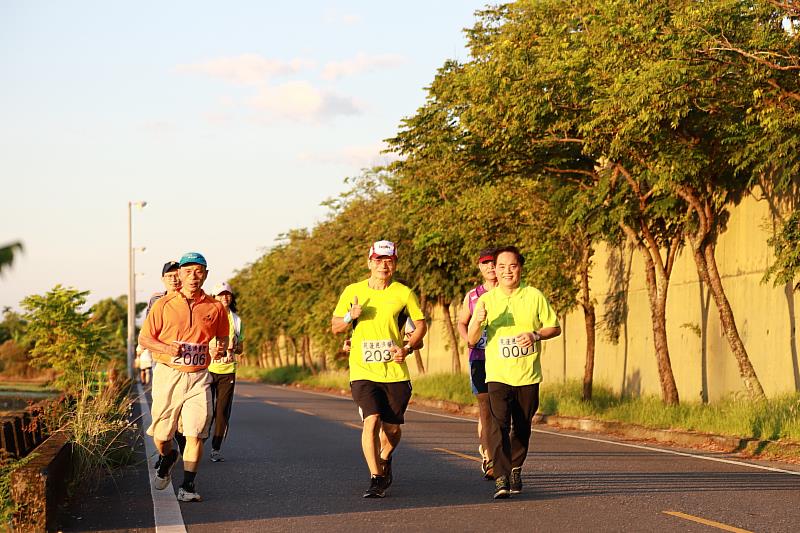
[[177, 331], [223, 372], [516, 318], [379, 379], [171, 281], [477, 363], [144, 362]]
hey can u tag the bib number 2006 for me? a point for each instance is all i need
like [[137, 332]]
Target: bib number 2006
[[377, 351], [191, 355], [509, 349]]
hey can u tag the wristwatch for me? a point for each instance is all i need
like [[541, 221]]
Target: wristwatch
[[408, 348], [536, 336]]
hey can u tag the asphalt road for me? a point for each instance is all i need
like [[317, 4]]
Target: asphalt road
[[294, 463]]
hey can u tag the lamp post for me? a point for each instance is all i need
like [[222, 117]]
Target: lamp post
[[131, 290]]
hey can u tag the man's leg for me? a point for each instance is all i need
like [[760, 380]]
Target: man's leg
[[484, 422], [390, 435], [192, 454], [499, 441], [371, 444], [524, 406], [222, 408]]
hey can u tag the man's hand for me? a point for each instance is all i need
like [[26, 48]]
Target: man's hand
[[480, 312], [355, 309], [525, 340], [174, 348], [398, 354]]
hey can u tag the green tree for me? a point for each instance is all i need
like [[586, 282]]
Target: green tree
[[112, 313], [63, 337]]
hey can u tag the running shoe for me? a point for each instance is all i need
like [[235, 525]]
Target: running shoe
[[501, 488], [216, 456], [163, 474], [516, 480], [387, 471], [377, 487], [157, 463], [189, 494]]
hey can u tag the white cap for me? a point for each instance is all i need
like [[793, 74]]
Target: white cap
[[219, 288], [380, 248]]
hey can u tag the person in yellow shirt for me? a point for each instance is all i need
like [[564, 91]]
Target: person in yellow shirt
[[516, 318], [223, 372], [379, 379]]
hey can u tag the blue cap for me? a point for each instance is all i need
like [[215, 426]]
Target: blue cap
[[193, 257]]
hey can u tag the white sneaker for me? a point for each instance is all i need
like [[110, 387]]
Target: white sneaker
[[162, 483], [186, 496], [216, 456]]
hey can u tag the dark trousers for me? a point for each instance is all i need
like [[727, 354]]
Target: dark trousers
[[222, 398], [509, 405]]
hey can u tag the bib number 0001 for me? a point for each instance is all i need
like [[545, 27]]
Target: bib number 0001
[[509, 349], [377, 351], [191, 355]]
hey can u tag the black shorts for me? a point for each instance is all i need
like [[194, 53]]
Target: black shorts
[[388, 400], [477, 376]]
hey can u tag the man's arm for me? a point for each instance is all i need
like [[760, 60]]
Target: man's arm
[[475, 329], [463, 319]]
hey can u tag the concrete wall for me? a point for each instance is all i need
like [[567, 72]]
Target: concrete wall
[[703, 364]]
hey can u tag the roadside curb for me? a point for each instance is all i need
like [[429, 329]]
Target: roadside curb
[[784, 451]]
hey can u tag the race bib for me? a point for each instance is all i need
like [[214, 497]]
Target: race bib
[[509, 348], [481, 344], [192, 354], [376, 351]]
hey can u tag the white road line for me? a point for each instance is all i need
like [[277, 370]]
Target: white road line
[[166, 510], [604, 441]]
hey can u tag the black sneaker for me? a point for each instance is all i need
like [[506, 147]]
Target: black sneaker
[[157, 463], [377, 487], [501, 488], [516, 480], [387, 471]]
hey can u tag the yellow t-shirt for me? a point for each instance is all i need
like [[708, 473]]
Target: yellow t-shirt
[[227, 364], [525, 310], [377, 329]]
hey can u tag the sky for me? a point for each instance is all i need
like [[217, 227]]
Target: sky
[[233, 120]]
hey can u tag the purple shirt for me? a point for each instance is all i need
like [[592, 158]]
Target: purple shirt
[[478, 352]]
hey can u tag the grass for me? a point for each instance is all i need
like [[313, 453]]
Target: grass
[[773, 419], [8, 464]]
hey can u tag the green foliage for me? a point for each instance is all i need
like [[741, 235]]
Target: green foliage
[[449, 387], [12, 327], [7, 253], [8, 464], [787, 253], [63, 338], [283, 375], [112, 314]]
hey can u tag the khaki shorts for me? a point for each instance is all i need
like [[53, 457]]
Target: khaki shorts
[[181, 401]]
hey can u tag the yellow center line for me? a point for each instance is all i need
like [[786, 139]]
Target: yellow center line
[[718, 525], [272, 403], [303, 411], [457, 454], [354, 426]]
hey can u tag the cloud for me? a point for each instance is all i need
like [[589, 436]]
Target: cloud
[[360, 63], [245, 68], [359, 156], [299, 100], [332, 16]]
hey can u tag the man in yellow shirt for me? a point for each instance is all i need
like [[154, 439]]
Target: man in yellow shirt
[[516, 318], [379, 379]]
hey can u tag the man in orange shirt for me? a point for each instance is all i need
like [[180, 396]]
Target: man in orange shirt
[[177, 332]]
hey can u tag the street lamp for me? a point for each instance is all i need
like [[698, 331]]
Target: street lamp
[[131, 291]]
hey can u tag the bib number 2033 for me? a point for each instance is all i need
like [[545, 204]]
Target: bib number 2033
[[509, 349], [377, 351], [191, 355]]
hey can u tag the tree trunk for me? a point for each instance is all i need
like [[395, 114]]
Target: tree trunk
[[451, 331], [590, 320], [294, 349], [657, 276], [703, 248], [418, 360]]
